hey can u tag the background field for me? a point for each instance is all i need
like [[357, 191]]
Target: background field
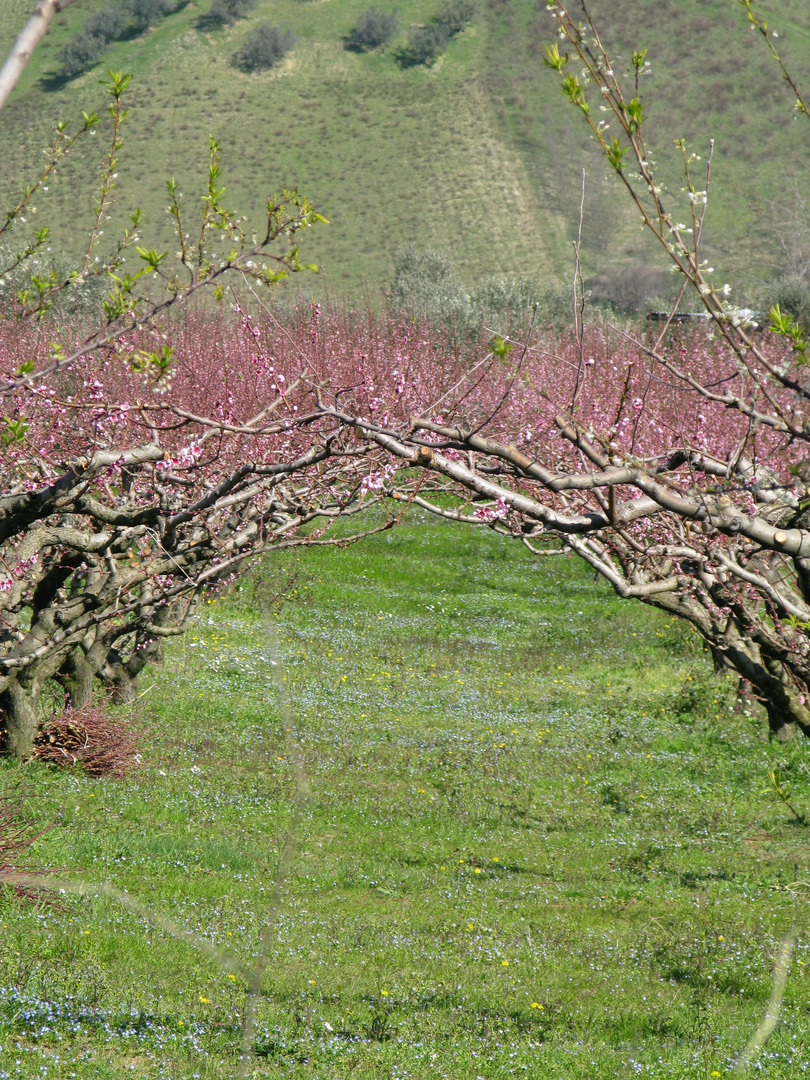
[[477, 157], [535, 841]]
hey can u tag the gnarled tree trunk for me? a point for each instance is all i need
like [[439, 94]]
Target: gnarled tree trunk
[[20, 706]]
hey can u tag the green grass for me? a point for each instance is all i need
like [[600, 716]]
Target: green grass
[[534, 841], [478, 157]]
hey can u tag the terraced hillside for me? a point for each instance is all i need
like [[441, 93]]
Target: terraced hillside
[[476, 155]]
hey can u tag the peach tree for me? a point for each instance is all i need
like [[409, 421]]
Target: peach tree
[[136, 475], [678, 468]]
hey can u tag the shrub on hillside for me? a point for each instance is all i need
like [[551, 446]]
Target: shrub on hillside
[[78, 298], [264, 47], [632, 288], [426, 286], [792, 293], [505, 303], [454, 15], [226, 12], [373, 29], [423, 280], [145, 13], [100, 28], [425, 43], [112, 23], [81, 54]]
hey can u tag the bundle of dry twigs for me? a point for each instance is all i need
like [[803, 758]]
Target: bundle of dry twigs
[[88, 737]]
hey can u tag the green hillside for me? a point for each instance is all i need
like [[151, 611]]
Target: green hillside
[[476, 156]]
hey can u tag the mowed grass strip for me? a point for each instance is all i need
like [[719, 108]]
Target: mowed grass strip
[[534, 843]]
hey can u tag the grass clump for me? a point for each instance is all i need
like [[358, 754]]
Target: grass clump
[[264, 46], [18, 834]]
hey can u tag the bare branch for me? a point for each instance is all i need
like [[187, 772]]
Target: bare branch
[[28, 39]]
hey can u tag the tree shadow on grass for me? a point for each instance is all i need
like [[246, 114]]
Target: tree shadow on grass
[[53, 81]]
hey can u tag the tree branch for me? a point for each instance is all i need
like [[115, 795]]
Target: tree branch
[[28, 39]]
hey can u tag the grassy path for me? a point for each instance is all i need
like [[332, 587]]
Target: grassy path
[[534, 844]]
